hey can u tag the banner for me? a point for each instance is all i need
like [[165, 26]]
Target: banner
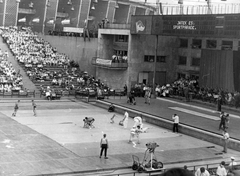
[[23, 20], [73, 29], [52, 21], [150, 24], [104, 62], [141, 24]]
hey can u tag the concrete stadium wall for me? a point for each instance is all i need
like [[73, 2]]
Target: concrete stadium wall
[[115, 79], [164, 123], [145, 45], [77, 49]]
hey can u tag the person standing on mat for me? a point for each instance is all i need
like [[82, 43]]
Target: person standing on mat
[[104, 146], [15, 108]]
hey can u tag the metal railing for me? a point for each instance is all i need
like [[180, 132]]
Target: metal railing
[[210, 167], [117, 26], [26, 11], [201, 9]]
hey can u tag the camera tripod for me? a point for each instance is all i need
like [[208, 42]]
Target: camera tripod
[[146, 165]]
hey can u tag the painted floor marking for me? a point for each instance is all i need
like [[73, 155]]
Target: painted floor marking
[[195, 113], [196, 107]]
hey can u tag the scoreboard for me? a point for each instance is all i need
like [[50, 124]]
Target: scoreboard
[[208, 25], [213, 25]]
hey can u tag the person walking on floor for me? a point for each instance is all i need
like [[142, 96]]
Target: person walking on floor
[[227, 120], [104, 146], [222, 124], [16, 106], [34, 108], [147, 96], [175, 118]]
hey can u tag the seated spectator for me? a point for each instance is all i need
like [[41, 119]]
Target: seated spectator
[[124, 58], [53, 94], [54, 81], [202, 172], [232, 167], [221, 170], [48, 95]]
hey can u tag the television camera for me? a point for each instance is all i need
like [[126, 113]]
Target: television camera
[[151, 146]]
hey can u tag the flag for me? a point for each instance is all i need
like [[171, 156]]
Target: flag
[[160, 8], [65, 21], [23, 20], [52, 21], [36, 20]]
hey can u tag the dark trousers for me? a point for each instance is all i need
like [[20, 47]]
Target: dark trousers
[[222, 125], [104, 148], [219, 106], [175, 127]]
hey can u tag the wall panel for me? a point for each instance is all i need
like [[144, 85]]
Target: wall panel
[[121, 14], [1, 13], [85, 7], [11, 13], [111, 11], [98, 14], [50, 15]]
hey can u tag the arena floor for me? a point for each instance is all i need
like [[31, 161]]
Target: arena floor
[[55, 142]]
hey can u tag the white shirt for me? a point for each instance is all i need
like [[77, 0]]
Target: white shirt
[[176, 119], [225, 136], [126, 115], [198, 173], [221, 171]]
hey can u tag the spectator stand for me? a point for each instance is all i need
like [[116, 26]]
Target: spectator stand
[[188, 90], [52, 72]]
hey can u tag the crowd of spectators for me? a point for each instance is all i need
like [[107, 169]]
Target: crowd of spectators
[[53, 71], [9, 79], [190, 89]]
